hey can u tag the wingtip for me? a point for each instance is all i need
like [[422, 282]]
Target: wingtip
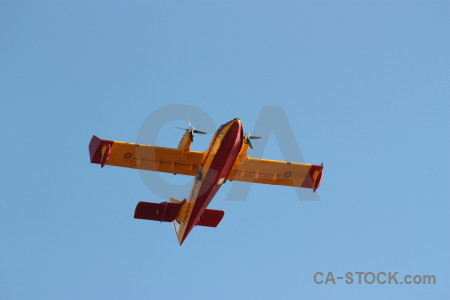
[[318, 181], [99, 150]]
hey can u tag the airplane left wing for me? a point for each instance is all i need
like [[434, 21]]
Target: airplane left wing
[[144, 157], [277, 173]]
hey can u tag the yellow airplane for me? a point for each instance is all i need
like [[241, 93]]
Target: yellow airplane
[[225, 159]]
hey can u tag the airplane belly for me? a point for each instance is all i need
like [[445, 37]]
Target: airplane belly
[[210, 177]]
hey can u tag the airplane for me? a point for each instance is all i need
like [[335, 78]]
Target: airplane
[[225, 159]]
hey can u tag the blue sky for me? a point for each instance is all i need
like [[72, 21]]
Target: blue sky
[[365, 88]]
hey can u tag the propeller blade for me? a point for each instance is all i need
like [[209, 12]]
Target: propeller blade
[[201, 132], [191, 130], [249, 137]]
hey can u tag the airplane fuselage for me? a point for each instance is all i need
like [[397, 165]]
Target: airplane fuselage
[[212, 173]]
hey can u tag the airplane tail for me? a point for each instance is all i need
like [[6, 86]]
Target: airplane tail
[[173, 211], [177, 222]]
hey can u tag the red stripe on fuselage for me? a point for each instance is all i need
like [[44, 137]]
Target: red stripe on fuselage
[[220, 167]]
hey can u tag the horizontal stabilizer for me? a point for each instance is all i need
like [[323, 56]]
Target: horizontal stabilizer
[[164, 211], [168, 212], [211, 218]]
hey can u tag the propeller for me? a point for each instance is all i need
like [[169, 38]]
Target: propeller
[[249, 137], [191, 130]]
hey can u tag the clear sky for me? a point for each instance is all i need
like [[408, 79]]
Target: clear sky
[[364, 86]]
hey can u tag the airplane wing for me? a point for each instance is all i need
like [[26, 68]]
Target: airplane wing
[[143, 157], [277, 173]]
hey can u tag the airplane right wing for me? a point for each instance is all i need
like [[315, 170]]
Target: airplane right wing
[[277, 173]]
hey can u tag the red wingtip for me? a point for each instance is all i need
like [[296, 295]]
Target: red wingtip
[[95, 150], [318, 180], [93, 146]]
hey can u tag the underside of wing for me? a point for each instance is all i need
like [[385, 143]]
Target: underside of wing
[[144, 157], [277, 173]]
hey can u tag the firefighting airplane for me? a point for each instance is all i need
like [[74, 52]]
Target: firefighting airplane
[[225, 159]]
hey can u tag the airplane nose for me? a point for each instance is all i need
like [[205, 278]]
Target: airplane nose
[[237, 124]]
